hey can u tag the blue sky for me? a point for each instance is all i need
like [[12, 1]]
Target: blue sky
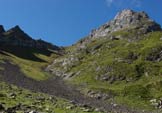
[[63, 22]]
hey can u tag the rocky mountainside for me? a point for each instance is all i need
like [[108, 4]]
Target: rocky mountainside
[[119, 62], [117, 68], [17, 37], [124, 20]]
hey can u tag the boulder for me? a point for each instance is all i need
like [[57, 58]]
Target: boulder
[[12, 95]]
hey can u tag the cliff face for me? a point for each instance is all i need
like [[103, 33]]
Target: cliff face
[[17, 37]]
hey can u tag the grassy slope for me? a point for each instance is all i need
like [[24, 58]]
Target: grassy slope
[[31, 61], [33, 69], [34, 101], [144, 75]]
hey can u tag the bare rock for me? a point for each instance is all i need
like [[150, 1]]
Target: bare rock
[[124, 19]]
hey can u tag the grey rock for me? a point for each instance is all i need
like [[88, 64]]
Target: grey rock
[[32, 111], [124, 19], [62, 65], [68, 75], [87, 110], [12, 95], [97, 95], [114, 105], [70, 107], [157, 103]]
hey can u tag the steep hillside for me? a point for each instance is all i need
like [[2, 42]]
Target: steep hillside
[[120, 62], [22, 64], [117, 68], [29, 54], [18, 100]]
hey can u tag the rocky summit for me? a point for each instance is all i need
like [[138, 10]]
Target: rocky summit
[[127, 19], [117, 68]]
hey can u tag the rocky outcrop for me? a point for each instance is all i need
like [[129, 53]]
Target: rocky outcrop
[[126, 19], [61, 66], [17, 37]]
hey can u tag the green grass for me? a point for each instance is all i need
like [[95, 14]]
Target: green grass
[[144, 75], [47, 104], [143, 78], [31, 61]]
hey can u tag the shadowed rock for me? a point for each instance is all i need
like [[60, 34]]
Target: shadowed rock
[[17, 37]]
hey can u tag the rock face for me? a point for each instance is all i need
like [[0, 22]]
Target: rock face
[[17, 37], [126, 19]]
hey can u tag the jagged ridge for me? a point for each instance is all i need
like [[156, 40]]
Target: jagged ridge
[[17, 37]]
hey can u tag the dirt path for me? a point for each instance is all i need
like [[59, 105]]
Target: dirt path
[[55, 86]]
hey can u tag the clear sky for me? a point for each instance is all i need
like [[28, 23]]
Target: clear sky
[[63, 22]]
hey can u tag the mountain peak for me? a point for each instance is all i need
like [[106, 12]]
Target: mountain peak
[[17, 33], [126, 19], [128, 13], [17, 28], [123, 13]]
